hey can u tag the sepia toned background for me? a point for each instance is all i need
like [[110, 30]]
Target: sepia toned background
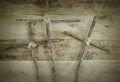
[[70, 21]]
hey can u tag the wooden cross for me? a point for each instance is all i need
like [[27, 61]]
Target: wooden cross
[[85, 48], [50, 44], [86, 43]]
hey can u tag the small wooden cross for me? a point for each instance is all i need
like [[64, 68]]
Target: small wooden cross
[[87, 42]]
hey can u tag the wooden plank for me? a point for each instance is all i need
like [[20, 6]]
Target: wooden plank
[[13, 71], [69, 49], [15, 27], [99, 70], [65, 71], [21, 52], [107, 28], [94, 70], [12, 29]]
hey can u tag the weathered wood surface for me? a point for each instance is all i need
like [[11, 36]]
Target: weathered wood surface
[[102, 71], [94, 70], [14, 37], [13, 71], [7, 7], [98, 65], [107, 28], [72, 7]]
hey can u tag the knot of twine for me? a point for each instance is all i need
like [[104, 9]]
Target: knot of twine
[[88, 41], [47, 20], [32, 45]]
